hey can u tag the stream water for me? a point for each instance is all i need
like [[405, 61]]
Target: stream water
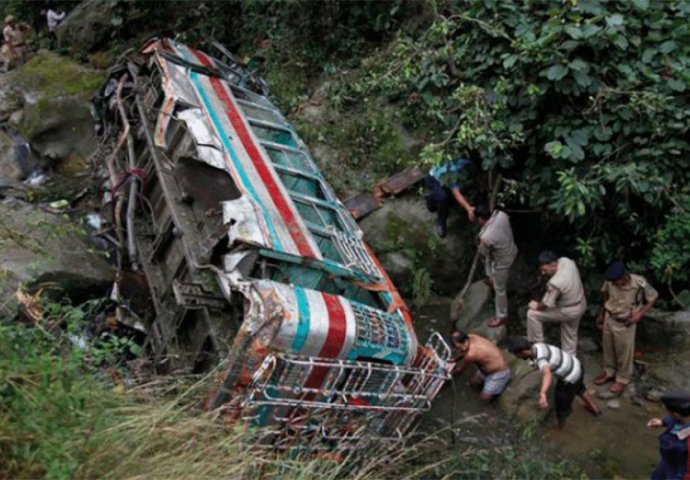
[[615, 444]]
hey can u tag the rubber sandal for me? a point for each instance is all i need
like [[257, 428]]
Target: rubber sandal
[[602, 378], [616, 388], [496, 322]]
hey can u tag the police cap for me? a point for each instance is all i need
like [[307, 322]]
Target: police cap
[[677, 401], [615, 271]]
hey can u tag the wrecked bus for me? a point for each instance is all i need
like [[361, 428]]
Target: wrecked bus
[[252, 264]]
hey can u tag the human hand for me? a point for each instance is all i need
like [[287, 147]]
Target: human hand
[[655, 422], [600, 322], [636, 316], [543, 402], [470, 214], [533, 305]]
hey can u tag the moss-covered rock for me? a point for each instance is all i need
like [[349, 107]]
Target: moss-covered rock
[[87, 27], [40, 249], [56, 94], [404, 228]]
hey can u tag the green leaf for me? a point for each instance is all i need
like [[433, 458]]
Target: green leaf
[[614, 20], [579, 65], [648, 54], [641, 4], [590, 30], [556, 72], [573, 31], [621, 42], [667, 47], [509, 61], [582, 79], [553, 148], [677, 85]]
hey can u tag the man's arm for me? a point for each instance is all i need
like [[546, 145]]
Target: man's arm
[[460, 367], [549, 299], [546, 378], [642, 311], [460, 198]]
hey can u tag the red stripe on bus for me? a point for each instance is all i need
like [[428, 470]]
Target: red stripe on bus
[[335, 339], [262, 169]]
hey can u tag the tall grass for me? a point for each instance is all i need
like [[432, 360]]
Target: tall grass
[[62, 418]]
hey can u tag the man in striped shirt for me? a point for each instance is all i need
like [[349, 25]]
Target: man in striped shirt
[[553, 362]]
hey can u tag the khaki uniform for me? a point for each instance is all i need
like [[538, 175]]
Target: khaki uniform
[[499, 250], [565, 302], [618, 338], [16, 39]]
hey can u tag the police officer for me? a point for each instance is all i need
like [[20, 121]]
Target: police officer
[[627, 298], [674, 442]]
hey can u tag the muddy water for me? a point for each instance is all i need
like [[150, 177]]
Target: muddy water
[[617, 443]]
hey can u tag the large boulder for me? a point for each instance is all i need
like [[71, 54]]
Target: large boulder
[[665, 329], [520, 398], [402, 233], [470, 312], [40, 249], [16, 158], [56, 93], [88, 26]]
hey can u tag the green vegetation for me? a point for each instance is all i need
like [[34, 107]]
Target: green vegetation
[[54, 75], [583, 103], [65, 412]]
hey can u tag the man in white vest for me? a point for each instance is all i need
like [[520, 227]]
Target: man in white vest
[[563, 302], [498, 248]]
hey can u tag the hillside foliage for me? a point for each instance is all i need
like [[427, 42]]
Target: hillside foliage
[[582, 105]]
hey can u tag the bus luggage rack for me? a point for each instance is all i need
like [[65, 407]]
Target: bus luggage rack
[[352, 402]]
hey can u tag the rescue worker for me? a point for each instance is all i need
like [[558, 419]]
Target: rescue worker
[[15, 38], [553, 362], [492, 374], [563, 302], [498, 248], [53, 19], [674, 443], [443, 184], [627, 298]]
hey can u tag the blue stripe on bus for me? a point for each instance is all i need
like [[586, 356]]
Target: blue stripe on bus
[[303, 325], [238, 166]]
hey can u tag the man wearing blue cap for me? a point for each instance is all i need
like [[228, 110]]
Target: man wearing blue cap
[[674, 442], [443, 184], [627, 298]]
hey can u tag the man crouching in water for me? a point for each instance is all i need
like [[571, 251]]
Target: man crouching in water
[[553, 362], [492, 374]]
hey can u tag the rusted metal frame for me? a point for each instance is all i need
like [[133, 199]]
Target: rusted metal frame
[[325, 265], [192, 66], [176, 217], [357, 255], [110, 163], [352, 248], [131, 202]]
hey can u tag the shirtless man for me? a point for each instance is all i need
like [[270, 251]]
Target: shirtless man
[[492, 373]]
